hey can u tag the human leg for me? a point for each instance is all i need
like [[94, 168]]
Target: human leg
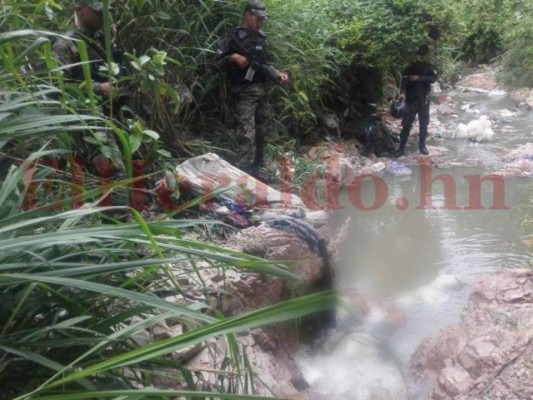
[[262, 121], [407, 123], [246, 101], [423, 120]]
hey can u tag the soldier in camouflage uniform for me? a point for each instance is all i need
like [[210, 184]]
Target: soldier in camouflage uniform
[[89, 24], [249, 70]]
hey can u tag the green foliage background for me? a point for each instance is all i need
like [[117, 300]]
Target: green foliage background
[[317, 42]]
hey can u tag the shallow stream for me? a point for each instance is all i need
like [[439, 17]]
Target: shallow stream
[[415, 265]]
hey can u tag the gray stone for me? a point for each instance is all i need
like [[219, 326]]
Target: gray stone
[[489, 356]]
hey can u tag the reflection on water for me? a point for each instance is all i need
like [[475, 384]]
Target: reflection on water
[[392, 251], [396, 253]]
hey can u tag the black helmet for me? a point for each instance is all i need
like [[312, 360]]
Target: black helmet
[[397, 108]]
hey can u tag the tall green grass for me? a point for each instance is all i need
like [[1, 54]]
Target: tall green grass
[[75, 291], [517, 59]]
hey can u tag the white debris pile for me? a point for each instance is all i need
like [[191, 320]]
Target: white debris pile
[[478, 130]]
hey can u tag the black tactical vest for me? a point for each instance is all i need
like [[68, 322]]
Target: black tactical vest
[[253, 46]]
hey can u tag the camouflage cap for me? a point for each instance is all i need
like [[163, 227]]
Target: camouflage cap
[[257, 8], [93, 5]]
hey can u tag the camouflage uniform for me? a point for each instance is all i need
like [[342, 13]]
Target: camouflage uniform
[[66, 53], [249, 87]]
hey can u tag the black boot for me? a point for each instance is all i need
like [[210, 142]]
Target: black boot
[[401, 151], [403, 141], [422, 143]]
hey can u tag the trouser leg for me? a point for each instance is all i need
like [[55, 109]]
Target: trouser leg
[[423, 120], [407, 123], [262, 121], [246, 102]]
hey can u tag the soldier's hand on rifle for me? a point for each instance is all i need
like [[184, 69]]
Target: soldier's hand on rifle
[[241, 61], [283, 78], [105, 87]]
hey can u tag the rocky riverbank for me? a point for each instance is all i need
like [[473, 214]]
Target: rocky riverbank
[[293, 224], [489, 355]]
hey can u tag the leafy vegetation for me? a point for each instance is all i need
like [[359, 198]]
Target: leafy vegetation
[[77, 286], [323, 44], [75, 293], [517, 59], [499, 30]]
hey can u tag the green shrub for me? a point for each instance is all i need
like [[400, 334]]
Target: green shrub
[[74, 291], [517, 60]]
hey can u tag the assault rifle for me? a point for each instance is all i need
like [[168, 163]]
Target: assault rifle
[[255, 64]]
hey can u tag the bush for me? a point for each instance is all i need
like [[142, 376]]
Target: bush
[[500, 31], [517, 60], [75, 291]]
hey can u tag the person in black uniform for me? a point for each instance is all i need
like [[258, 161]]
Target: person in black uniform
[[415, 90], [249, 71]]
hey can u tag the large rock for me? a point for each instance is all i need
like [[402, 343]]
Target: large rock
[[236, 291], [484, 81], [274, 244], [524, 96], [489, 355], [268, 353], [204, 174], [518, 162]]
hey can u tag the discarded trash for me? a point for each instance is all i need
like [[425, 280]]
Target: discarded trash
[[524, 107], [477, 126], [485, 136], [496, 93], [522, 152], [474, 90], [461, 132], [449, 135], [477, 130], [439, 134], [222, 211], [208, 173], [445, 109], [435, 88], [395, 168], [507, 113], [377, 167], [519, 162], [238, 208]]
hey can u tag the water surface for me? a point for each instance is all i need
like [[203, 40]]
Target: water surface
[[395, 252]]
